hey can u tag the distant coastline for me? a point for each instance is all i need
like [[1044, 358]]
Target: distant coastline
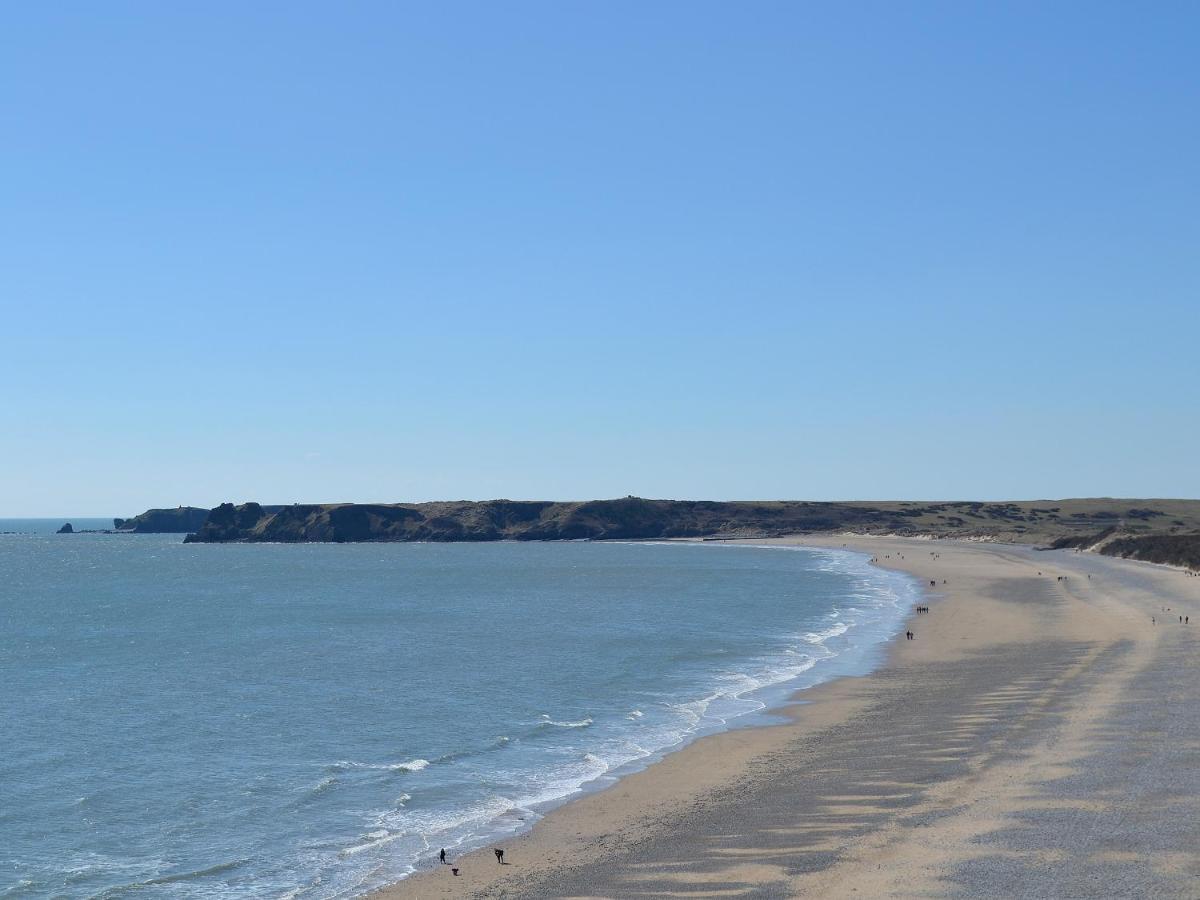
[[1163, 530]]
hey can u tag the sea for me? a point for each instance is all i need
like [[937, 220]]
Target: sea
[[318, 720]]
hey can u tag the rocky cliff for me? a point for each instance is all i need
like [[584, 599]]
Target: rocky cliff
[[180, 520], [637, 518]]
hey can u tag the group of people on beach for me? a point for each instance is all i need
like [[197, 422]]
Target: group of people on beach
[[454, 869], [1183, 620], [1064, 577]]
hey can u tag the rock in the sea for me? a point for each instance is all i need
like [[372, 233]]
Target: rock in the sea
[[66, 529]]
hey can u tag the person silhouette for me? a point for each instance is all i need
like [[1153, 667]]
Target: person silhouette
[[442, 856]]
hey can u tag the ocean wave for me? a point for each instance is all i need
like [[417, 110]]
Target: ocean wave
[[820, 637], [322, 786], [440, 827], [20, 887], [371, 841], [694, 710], [593, 760], [549, 759], [216, 869], [592, 748], [582, 723], [413, 765]]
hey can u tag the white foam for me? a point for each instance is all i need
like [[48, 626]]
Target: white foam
[[374, 840], [582, 723], [324, 785], [595, 761], [820, 637], [694, 710], [413, 765], [657, 727]]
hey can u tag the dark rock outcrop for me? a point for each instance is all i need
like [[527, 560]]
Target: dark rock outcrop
[[66, 529], [181, 520]]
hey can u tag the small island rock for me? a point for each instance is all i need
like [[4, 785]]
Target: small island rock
[[66, 529]]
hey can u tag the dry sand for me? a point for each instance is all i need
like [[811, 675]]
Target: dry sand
[[1039, 738]]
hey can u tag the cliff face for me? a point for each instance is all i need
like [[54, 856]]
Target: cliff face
[[500, 520], [636, 518], [181, 520]]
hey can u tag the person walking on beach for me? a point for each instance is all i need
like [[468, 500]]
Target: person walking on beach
[[442, 856], [499, 855]]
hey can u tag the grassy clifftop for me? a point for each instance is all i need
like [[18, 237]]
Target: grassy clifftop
[[637, 518], [180, 520]]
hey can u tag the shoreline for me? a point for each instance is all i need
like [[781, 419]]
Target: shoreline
[[704, 818], [863, 653], [781, 713]]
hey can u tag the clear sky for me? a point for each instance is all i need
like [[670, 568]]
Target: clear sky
[[382, 251]]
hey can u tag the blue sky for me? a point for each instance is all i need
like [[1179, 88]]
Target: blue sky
[[383, 251]]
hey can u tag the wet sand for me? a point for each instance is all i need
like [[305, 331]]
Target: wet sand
[[1039, 738]]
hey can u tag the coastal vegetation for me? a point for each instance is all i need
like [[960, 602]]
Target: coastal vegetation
[[1076, 521], [1172, 549]]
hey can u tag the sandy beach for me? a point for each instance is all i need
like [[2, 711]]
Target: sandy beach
[[1038, 738]]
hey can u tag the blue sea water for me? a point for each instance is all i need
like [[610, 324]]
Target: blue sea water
[[318, 720]]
